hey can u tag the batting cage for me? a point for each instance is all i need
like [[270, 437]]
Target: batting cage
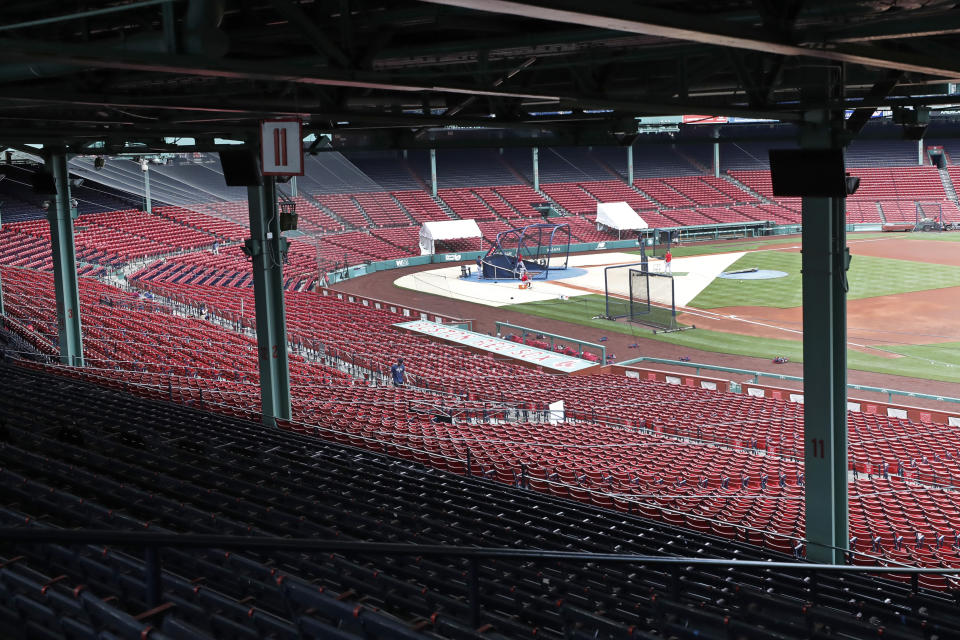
[[536, 249], [636, 294]]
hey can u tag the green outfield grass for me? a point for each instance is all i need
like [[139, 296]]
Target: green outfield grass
[[945, 354], [728, 247], [869, 277], [916, 363], [946, 236], [773, 242]]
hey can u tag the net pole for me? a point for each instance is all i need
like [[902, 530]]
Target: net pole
[[673, 304], [606, 291]]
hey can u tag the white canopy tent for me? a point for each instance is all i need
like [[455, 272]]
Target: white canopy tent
[[434, 231], [619, 216]]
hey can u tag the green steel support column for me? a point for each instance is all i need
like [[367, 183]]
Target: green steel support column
[[65, 267], [267, 246], [536, 168], [146, 185], [716, 153], [630, 165], [433, 172], [825, 383], [840, 262], [293, 187]]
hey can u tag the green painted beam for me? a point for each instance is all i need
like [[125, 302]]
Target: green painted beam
[[824, 372], [716, 153], [839, 519], [536, 168], [146, 187], [267, 248], [69, 333]]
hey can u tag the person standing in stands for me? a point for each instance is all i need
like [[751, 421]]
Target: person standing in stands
[[397, 372], [668, 262]]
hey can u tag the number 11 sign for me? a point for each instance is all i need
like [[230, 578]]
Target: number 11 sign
[[281, 148]]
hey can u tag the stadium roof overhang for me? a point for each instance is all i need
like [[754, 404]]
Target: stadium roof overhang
[[403, 73]]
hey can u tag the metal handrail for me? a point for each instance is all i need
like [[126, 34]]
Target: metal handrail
[[536, 332], [782, 376], [38, 535], [152, 543]]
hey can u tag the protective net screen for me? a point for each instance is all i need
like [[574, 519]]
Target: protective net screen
[[640, 295]]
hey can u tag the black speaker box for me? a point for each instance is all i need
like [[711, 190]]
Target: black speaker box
[[240, 168], [815, 173], [44, 183]]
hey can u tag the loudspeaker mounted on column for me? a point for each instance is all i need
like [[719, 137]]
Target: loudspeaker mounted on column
[[813, 173], [241, 168]]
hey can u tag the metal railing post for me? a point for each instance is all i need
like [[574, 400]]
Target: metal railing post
[[154, 577], [474, 592]]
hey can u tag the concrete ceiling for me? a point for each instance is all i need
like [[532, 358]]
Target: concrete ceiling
[[395, 70]]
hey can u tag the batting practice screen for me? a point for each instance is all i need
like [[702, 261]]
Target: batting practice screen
[[634, 292], [651, 299]]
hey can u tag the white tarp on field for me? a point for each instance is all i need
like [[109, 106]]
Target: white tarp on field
[[433, 231], [619, 216]]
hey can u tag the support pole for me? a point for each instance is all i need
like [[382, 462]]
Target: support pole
[[630, 165], [267, 248], [65, 283], [716, 152], [433, 172], [473, 582], [154, 577], [824, 265], [146, 185], [920, 152], [293, 187], [536, 168]]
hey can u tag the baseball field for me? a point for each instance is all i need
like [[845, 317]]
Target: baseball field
[[902, 304]]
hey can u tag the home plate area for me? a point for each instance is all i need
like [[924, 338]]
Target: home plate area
[[583, 276]]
